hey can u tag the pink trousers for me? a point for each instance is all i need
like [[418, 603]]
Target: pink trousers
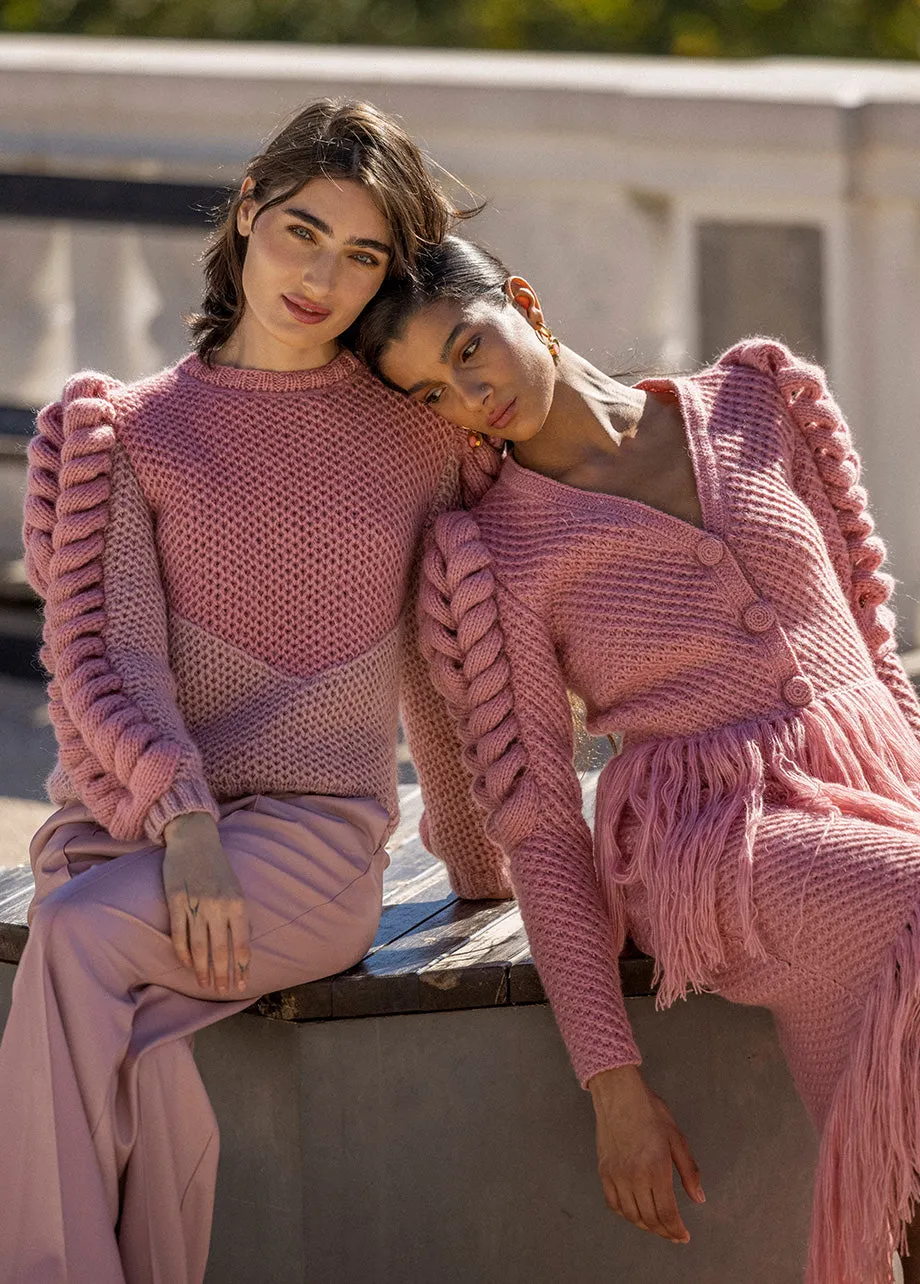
[[109, 1142]]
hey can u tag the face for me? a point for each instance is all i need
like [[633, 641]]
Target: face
[[478, 364], [312, 263]]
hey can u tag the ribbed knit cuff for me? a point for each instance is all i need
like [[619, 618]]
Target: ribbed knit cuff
[[184, 797], [627, 1054], [481, 884]]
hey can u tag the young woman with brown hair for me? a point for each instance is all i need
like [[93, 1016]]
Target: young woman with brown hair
[[225, 551]]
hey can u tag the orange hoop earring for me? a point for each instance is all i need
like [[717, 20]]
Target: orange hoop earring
[[545, 335]]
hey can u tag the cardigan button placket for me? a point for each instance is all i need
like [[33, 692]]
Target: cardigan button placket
[[759, 617], [798, 691], [709, 550]]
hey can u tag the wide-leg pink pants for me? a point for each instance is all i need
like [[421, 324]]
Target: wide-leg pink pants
[[109, 1142]]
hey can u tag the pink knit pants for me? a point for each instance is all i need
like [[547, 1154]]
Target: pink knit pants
[[109, 1142], [837, 902]]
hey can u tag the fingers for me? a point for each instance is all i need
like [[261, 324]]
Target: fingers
[[230, 954], [687, 1167], [649, 1204], [178, 930], [212, 938], [199, 941], [668, 1221], [241, 952], [630, 1208]]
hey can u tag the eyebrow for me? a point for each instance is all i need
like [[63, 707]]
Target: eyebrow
[[445, 353], [363, 242]]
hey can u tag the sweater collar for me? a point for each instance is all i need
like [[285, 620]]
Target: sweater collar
[[338, 370]]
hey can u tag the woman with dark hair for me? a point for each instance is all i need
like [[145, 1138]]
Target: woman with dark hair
[[693, 557], [225, 551]]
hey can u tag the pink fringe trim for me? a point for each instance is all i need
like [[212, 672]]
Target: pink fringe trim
[[867, 1184], [697, 797]]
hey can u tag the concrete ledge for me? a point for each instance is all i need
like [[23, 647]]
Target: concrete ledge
[[456, 1147]]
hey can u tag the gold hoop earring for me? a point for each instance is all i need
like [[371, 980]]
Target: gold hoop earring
[[545, 335]]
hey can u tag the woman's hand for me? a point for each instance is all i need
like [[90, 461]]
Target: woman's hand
[[637, 1142], [208, 920]]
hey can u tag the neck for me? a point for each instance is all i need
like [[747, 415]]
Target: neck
[[250, 349], [590, 415]]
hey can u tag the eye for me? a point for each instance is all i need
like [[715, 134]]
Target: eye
[[470, 349], [300, 232], [433, 397], [366, 260]]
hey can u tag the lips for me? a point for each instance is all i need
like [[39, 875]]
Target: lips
[[304, 311], [502, 417]]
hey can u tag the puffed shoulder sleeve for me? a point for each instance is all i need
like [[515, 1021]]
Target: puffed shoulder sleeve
[[515, 722], [827, 477], [91, 554]]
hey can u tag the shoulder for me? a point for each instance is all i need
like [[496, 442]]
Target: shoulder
[[770, 362], [396, 412]]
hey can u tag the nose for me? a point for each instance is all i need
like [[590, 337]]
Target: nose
[[319, 275], [473, 392]]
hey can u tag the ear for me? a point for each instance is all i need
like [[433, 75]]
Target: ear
[[524, 297], [247, 209]]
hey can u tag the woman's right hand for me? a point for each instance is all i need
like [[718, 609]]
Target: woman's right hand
[[208, 919], [637, 1143]]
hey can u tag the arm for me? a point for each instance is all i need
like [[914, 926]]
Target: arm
[[830, 486], [515, 722], [90, 552]]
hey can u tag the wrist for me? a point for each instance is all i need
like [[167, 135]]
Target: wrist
[[619, 1081], [190, 823]]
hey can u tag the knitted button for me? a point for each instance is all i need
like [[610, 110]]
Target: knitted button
[[710, 550], [758, 617], [798, 691]]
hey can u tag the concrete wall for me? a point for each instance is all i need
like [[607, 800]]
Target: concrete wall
[[458, 1148], [615, 183]]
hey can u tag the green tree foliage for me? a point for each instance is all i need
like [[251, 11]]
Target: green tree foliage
[[696, 28]]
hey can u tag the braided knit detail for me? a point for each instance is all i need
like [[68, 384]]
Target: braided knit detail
[[804, 389], [461, 637], [119, 763]]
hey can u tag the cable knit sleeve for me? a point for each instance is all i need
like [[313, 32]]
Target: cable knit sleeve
[[452, 825], [515, 722], [90, 553], [831, 487]]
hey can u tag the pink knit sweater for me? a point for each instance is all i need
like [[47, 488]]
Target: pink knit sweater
[[752, 660], [226, 556]]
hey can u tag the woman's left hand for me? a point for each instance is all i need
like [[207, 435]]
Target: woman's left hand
[[638, 1143], [209, 922]]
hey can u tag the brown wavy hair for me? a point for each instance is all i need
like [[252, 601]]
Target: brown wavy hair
[[331, 138]]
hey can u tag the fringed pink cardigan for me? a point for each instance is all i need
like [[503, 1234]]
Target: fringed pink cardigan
[[753, 660]]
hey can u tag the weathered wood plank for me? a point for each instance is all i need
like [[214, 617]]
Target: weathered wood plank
[[432, 952]]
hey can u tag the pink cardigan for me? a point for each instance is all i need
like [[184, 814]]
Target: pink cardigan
[[750, 660], [226, 556]]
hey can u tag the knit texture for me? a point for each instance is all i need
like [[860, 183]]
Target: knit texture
[[749, 665], [226, 557]]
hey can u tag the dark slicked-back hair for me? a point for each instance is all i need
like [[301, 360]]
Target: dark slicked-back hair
[[454, 269]]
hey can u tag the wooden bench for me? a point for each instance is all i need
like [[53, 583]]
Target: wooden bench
[[415, 1119]]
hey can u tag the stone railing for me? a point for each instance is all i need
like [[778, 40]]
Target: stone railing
[[661, 207]]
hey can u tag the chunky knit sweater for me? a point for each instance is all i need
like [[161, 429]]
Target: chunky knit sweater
[[751, 661], [226, 556]]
